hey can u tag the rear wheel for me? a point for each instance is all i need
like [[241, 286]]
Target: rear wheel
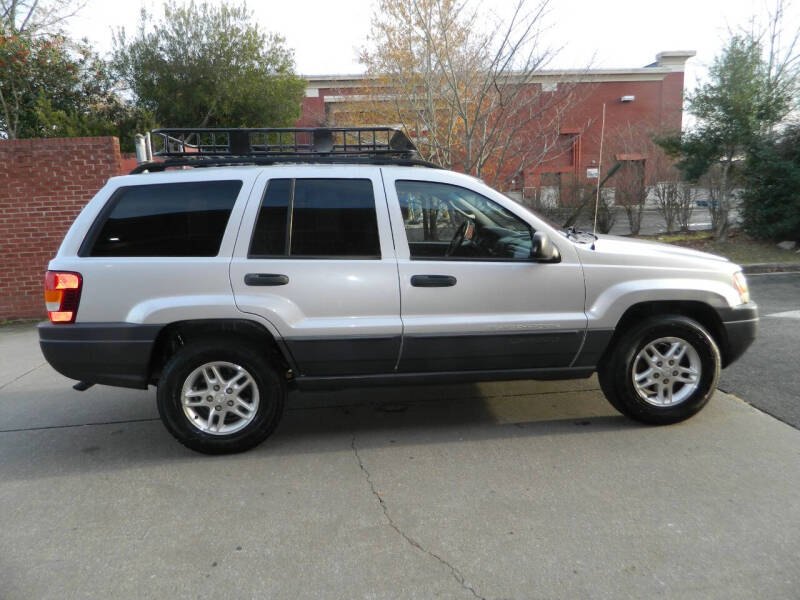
[[220, 397], [662, 371]]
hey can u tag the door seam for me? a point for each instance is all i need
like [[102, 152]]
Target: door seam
[[397, 269]]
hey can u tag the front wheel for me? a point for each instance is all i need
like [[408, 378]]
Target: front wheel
[[662, 371], [220, 397]]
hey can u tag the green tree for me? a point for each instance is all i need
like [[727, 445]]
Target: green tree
[[51, 86], [34, 60], [113, 117], [29, 67], [206, 66], [740, 103], [771, 200]]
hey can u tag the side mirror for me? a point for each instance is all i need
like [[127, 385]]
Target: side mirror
[[543, 250]]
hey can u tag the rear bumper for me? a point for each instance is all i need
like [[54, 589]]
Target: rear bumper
[[108, 353], [741, 326]]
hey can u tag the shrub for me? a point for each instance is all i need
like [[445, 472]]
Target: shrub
[[771, 199]]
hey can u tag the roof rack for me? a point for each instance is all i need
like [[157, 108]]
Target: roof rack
[[206, 147], [154, 167], [275, 141]]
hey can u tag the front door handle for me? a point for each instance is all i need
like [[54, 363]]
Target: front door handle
[[433, 280], [265, 279]]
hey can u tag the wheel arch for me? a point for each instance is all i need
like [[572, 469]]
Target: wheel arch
[[179, 333], [701, 312]]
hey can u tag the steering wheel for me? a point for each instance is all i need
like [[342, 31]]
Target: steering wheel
[[458, 238]]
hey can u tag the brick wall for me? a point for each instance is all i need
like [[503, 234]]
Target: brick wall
[[44, 183]]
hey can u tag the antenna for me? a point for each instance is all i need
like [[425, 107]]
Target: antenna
[[599, 171]]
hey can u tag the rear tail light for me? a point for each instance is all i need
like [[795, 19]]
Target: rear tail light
[[62, 293]]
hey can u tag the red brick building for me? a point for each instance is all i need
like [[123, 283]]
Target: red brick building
[[642, 99]]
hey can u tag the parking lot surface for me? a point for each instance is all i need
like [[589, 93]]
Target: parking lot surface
[[767, 375], [502, 490]]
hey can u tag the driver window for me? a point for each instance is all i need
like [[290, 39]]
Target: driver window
[[446, 222]]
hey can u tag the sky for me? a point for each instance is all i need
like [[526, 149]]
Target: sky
[[326, 34]]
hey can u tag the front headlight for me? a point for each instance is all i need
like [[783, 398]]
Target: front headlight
[[740, 283]]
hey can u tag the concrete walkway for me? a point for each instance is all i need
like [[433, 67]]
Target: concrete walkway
[[510, 490]]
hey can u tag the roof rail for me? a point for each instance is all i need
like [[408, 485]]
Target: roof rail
[[273, 141]]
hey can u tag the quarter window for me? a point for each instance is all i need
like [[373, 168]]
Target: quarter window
[[322, 218], [448, 222], [166, 219], [269, 237]]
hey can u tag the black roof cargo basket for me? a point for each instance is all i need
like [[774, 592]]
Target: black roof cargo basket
[[201, 147]]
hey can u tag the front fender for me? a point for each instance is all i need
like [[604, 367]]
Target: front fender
[[607, 308]]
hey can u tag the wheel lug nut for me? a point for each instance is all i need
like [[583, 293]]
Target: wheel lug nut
[[216, 388], [655, 375], [666, 381], [659, 364], [218, 407], [672, 362], [675, 373], [230, 402], [210, 398]]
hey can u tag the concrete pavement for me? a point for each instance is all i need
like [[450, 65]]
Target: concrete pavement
[[502, 490], [767, 375]]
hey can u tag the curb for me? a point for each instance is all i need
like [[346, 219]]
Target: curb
[[783, 267]]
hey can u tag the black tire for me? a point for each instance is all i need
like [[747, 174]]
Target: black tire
[[271, 391], [615, 371]]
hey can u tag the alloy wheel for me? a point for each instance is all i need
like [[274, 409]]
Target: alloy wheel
[[666, 371], [220, 398]]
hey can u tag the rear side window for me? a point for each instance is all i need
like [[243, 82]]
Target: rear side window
[[320, 218], [270, 236], [166, 219]]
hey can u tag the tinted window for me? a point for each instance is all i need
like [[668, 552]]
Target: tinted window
[[334, 217], [450, 222], [169, 219], [269, 236]]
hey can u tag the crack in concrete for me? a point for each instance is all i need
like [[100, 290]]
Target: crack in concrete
[[8, 383], [45, 427], [456, 574]]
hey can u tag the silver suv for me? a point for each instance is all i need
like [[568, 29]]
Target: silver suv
[[338, 258]]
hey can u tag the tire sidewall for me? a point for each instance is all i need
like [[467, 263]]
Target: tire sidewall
[[650, 330], [270, 389]]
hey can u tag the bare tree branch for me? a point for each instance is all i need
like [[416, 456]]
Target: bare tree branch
[[38, 17], [466, 86], [27, 18]]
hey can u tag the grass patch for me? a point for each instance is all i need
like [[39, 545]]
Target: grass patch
[[739, 247], [12, 322]]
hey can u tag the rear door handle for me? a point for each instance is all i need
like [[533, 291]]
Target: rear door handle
[[433, 280], [265, 279]]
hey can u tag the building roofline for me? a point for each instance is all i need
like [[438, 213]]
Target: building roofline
[[668, 61], [543, 73], [571, 75]]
